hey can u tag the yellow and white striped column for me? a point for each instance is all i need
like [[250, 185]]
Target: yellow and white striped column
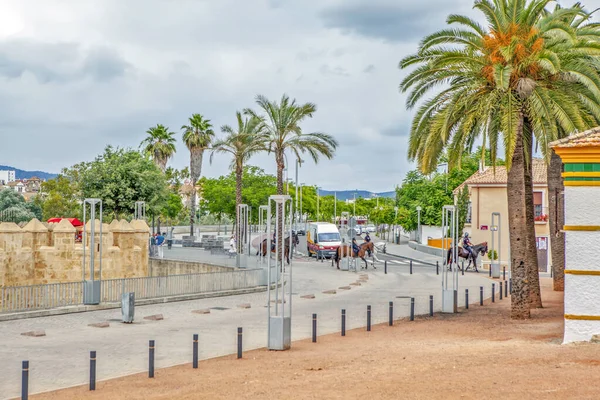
[[581, 157]]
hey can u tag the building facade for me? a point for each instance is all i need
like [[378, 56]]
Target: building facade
[[488, 194], [6, 177]]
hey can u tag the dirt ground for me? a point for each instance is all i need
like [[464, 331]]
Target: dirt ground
[[477, 354]]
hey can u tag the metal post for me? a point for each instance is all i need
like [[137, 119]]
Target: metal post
[[385, 267], [343, 322], [25, 381], [493, 292], [412, 308], [496, 230], [92, 370], [411, 267], [91, 288], [151, 359], [467, 299], [298, 162], [431, 306], [450, 271], [419, 224], [391, 314], [503, 273], [480, 295], [314, 328], [437, 267], [317, 204], [239, 343], [505, 289], [195, 351], [368, 318], [500, 293]]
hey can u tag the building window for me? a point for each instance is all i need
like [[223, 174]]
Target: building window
[[537, 204], [469, 208]]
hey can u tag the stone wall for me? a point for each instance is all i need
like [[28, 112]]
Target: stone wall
[[42, 253], [163, 267]]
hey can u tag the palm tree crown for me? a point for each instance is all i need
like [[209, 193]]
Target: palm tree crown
[[159, 144], [282, 132]]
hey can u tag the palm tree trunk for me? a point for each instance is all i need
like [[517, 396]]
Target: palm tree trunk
[[238, 200], [517, 224], [196, 155], [533, 274], [556, 214]]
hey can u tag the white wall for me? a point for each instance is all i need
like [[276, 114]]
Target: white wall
[[428, 231], [7, 176]]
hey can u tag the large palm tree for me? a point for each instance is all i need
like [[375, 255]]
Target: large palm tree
[[520, 78], [197, 136], [241, 143], [160, 145]]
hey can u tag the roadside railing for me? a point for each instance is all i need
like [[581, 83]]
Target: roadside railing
[[39, 297]]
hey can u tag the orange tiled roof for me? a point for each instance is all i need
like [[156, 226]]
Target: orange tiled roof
[[500, 176], [583, 139]]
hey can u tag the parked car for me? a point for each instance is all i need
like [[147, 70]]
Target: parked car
[[357, 230], [370, 228], [299, 229]]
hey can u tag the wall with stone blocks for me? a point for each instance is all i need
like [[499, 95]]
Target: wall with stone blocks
[[41, 253]]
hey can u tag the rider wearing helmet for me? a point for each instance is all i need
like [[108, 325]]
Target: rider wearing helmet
[[355, 248], [367, 240], [467, 244]]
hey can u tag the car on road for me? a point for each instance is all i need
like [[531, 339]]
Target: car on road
[[357, 230], [370, 228], [299, 229]]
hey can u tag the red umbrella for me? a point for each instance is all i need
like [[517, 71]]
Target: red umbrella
[[73, 221]]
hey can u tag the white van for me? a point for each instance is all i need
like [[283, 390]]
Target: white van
[[322, 239]]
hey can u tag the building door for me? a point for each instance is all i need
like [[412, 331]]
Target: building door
[[542, 253]]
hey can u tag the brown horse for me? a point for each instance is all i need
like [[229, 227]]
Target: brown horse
[[262, 248], [480, 248], [346, 250]]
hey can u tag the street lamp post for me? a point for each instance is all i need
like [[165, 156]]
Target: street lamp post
[[301, 191], [354, 205], [298, 163], [419, 224], [317, 203]]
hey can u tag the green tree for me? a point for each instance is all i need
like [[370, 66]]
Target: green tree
[[16, 209], [159, 145], [523, 75], [197, 136], [241, 143], [60, 198]]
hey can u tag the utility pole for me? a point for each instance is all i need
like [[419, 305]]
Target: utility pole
[[301, 191], [354, 205], [335, 208], [296, 209], [317, 203]]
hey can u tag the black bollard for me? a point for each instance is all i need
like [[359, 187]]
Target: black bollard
[[437, 267], [500, 292], [239, 343], [151, 359], [493, 292], [411, 267], [480, 295], [467, 299], [505, 289], [504, 273], [343, 322], [314, 328], [490, 270], [368, 318], [195, 351], [25, 381], [391, 314], [385, 266], [431, 306], [92, 370], [412, 308]]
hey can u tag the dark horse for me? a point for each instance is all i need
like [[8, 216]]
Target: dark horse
[[262, 248], [480, 248], [346, 250]]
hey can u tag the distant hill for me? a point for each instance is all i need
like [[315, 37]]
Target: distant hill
[[21, 174], [349, 194]]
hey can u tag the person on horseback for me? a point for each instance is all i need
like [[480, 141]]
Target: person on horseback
[[467, 245], [367, 240], [355, 248]]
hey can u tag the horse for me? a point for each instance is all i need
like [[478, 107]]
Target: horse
[[345, 251], [480, 248], [263, 246]]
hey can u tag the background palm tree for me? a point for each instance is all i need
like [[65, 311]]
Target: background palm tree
[[241, 143], [160, 145], [282, 132], [197, 136], [516, 80]]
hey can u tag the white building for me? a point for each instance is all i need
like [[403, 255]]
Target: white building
[[7, 176]]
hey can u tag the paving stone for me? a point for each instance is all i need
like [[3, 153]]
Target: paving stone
[[329, 292], [308, 296], [595, 339], [244, 305], [202, 311], [104, 324], [155, 317], [39, 333], [344, 288], [355, 284]]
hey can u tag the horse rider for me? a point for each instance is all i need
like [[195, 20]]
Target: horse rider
[[467, 245], [355, 248], [367, 240]]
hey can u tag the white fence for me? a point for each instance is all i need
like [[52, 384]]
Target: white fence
[[37, 297]]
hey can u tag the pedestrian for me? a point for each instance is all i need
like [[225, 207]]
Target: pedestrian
[[160, 240]]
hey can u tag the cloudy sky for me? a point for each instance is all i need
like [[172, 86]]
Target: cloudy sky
[[76, 75]]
